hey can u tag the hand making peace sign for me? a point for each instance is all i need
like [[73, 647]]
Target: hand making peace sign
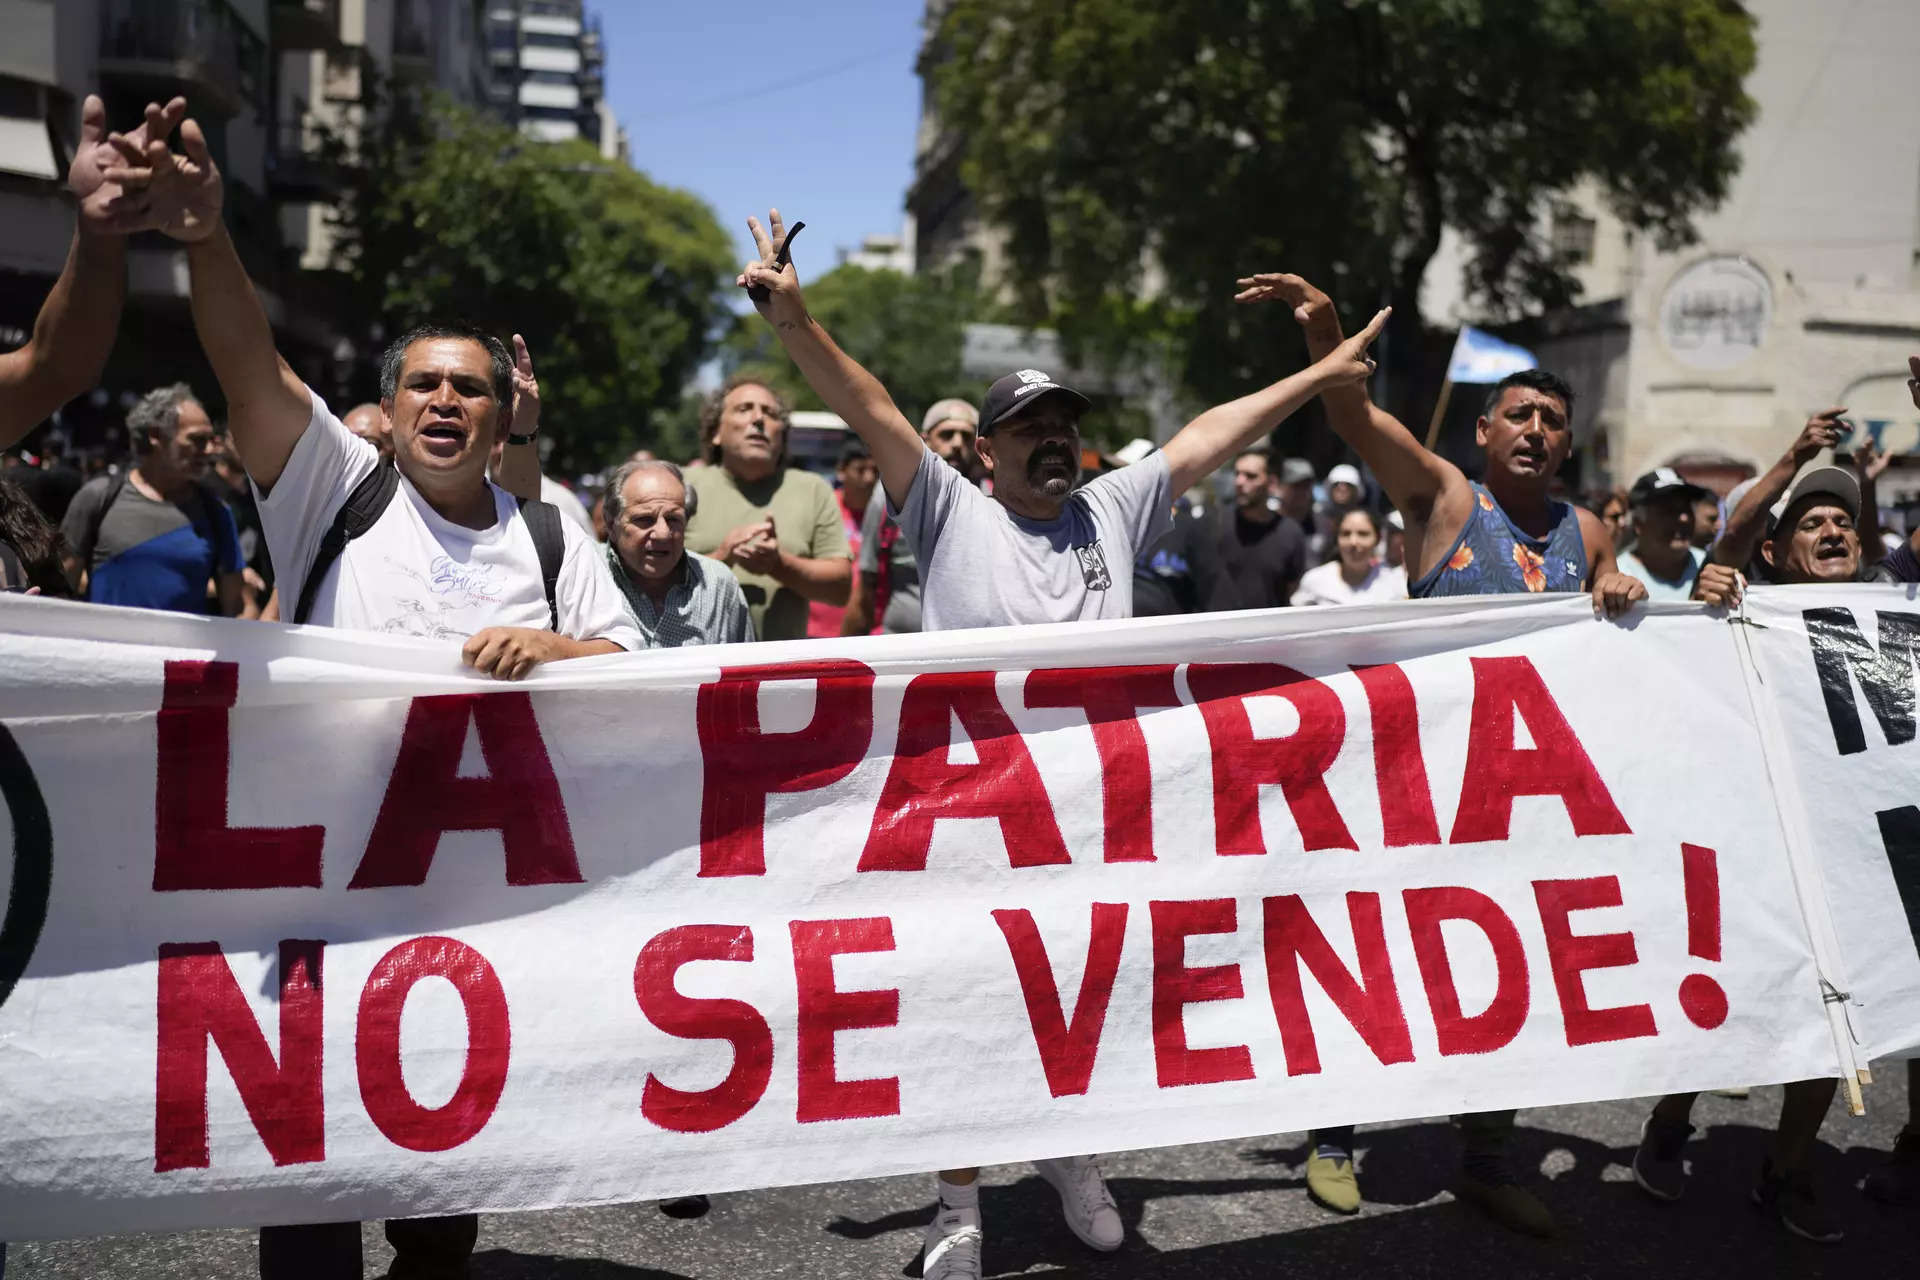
[[771, 280]]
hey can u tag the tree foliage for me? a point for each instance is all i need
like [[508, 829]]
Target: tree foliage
[[1334, 138], [907, 331], [620, 285]]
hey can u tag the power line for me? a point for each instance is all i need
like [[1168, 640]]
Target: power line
[[780, 86]]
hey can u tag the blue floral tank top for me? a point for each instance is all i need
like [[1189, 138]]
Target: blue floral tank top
[[1494, 557]]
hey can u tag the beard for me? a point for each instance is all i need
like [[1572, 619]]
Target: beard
[[1051, 470]]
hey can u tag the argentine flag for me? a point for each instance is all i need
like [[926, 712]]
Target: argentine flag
[[1481, 357]]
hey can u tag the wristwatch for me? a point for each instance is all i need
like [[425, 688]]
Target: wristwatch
[[525, 439]]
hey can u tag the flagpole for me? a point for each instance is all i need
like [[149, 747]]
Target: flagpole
[[1439, 412]]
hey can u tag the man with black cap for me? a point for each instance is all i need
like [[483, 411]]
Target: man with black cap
[[1038, 550], [1811, 539], [1662, 505]]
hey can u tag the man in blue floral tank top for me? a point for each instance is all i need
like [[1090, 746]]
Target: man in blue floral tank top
[[1503, 536]]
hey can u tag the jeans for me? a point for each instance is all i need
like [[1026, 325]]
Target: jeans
[[424, 1249]]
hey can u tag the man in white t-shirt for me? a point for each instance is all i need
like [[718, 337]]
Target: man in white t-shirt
[[450, 556], [1037, 550]]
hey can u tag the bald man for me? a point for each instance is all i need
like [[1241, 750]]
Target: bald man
[[367, 422]]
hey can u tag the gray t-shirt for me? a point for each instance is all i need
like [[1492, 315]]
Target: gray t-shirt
[[983, 566]]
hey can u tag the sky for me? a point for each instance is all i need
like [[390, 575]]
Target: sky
[[810, 107]]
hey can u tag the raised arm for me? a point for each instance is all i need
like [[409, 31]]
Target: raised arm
[[75, 329], [1425, 487], [1414, 477], [835, 377], [268, 407], [518, 471], [1222, 431], [1870, 462], [1747, 523]]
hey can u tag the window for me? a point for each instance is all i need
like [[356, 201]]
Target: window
[[548, 77], [550, 40], [1573, 235]]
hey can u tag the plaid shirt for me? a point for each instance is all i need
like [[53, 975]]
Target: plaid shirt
[[704, 605]]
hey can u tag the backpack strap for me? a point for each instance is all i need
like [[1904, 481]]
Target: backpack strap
[[550, 542], [356, 515], [115, 483]]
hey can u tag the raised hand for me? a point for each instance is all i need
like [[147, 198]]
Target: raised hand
[[1823, 431], [1870, 460], [183, 194], [773, 285], [110, 206], [1349, 362], [1309, 303], [526, 391]]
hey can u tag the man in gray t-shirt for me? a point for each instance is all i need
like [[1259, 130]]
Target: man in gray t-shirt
[[984, 565], [1037, 550]]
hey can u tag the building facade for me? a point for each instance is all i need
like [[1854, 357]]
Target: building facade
[[267, 80], [1803, 292], [215, 53], [547, 68]]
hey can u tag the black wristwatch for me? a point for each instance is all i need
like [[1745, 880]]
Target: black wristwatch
[[528, 438]]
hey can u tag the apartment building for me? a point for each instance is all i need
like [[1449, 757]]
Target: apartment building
[[547, 62], [265, 79]]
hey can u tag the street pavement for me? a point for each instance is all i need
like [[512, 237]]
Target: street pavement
[[1218, 1211]]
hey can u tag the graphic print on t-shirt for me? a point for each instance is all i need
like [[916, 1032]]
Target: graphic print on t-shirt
[[1093, 567], [416, 573]]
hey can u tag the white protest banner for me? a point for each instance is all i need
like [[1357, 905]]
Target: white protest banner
[[327, 928], [1839, 669]]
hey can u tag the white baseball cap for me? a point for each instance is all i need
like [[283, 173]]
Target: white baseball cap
[[1344, 474]]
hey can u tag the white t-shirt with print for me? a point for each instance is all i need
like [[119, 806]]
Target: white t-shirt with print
[[416, 574]]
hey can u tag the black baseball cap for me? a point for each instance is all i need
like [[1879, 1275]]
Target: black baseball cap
[[1018, 390], [1660, 482]]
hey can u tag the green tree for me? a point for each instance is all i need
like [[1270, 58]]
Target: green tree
[[907, 330], [620, 285], [1335, 138]]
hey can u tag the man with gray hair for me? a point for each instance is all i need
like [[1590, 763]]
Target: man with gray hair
[[154, 536], [678, 597]]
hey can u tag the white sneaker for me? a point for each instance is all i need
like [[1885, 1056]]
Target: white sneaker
[[952, 1247], [1085, 1201]]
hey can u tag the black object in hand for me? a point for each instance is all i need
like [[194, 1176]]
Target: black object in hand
[[758, 292]]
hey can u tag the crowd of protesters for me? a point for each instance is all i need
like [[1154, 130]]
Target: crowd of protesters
[[426, 514]]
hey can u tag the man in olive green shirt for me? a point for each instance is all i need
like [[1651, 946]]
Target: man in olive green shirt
[[777, 527]]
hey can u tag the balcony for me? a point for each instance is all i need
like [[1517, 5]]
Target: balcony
[[412, 52], [198, 48], [305, 164], [305, 24]]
